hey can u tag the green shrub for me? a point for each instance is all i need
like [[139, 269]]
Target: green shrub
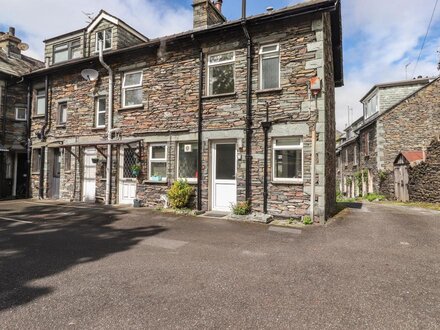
[[307, 220], [179, 194], [241, 208], [374, 197]]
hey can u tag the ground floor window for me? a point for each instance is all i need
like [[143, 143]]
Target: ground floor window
[[36, 156], [288, 159], [9, 162], [187, 164], [158, 162], [130, 160], [67, 159]]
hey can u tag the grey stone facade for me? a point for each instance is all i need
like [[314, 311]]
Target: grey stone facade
[[169, 112]]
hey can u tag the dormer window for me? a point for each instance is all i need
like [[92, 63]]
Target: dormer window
[[67, 51], [371, 106], [106, 37]]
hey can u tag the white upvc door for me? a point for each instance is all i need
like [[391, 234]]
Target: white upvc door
[[89, 186], [224, 170], [127, 181]]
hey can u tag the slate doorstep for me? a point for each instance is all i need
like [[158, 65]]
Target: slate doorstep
[[253, 217]]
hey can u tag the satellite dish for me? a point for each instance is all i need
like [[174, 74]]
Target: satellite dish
[[22, 46], [90, 74]]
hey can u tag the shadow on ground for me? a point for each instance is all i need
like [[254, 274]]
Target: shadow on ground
[[57, 240]]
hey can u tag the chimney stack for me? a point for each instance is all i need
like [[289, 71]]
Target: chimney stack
[[207, 13], [9, 42]]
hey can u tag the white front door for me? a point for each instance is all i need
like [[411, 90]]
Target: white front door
[[224, 183], [127, 179], [89, 186]]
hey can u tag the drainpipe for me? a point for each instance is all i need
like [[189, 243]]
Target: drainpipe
[[199, 133], [28, 140], [266, 127], [43, 137], [109, 125], [312, 175], [248, 104]]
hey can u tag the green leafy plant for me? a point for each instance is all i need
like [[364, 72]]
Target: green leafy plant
[[241, 208], [375, 197], [136, 169], [307, 220], [180, 194], [382, 176]]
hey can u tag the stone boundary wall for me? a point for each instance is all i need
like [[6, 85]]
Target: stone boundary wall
[[424, 179]]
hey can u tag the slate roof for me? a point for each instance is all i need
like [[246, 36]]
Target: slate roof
[[18, 65]]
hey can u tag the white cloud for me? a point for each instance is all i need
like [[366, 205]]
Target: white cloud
[[38, 20]]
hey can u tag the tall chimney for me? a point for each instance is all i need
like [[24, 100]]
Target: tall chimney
[[12, 31], [9, 42]]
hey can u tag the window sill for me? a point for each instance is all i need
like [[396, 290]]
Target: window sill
[[271, 90], [67, 172], [60, 126], [154, 182], [20, 120], [134, 107], [285, 182], [38, 116], [98, 128], [190, 182], [207, 97]]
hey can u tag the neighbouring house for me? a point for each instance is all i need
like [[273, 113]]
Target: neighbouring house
[[347, 155], [401, 117], [13, 115], [235, 107]]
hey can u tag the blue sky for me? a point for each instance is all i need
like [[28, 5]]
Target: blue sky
[[380, 36]]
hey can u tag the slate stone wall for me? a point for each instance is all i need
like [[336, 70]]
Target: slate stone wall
[[424, 178], [170, 108]]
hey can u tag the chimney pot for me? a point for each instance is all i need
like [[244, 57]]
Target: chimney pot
[[218, 4], [12, 31]]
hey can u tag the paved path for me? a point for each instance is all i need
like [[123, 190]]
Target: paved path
[[113, 268]]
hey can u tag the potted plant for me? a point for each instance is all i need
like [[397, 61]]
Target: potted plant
[[136, 170], [95, 160]]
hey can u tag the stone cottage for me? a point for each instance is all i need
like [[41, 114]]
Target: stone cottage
[[13, 115], [242, 109], [398, 117]]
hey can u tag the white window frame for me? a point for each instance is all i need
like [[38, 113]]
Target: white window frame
[[278, 54], [157, 160], [208, 77], [41, 96], [291, 147], [59, 122], [99, 111], [69, 50], [16, 113], [131, 87], [355, 151], [191, 180], [104, 33]]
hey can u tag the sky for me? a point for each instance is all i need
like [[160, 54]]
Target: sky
[[382, 38]]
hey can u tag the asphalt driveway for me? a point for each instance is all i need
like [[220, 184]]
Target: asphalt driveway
[[79, 267]]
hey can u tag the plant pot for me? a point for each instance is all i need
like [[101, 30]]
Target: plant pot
[[135, 173], [95, 160]]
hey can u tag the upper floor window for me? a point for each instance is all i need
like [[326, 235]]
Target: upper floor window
[[67, 51], [101, 105], [288, 159], [270, 66], [62, 113], [40, 108], [106, 37], [132, 89], [355, 151], [20, 114], [371, 106], [221, 73]]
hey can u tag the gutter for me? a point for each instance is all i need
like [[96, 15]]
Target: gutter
[[28, 139], [109, 125]]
